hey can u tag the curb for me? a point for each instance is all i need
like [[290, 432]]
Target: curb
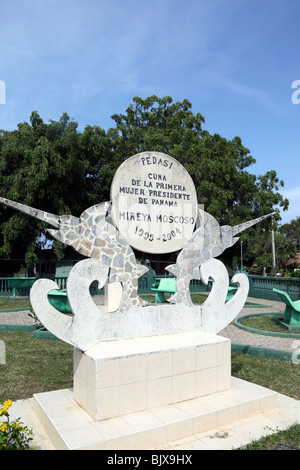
[[18, 327], [42, 333], [14, 310], [238, 324], [38, 331], [262, 352]]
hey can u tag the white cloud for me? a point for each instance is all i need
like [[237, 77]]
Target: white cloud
[[259, 96]]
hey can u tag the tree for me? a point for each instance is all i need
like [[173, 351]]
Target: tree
[[218, 166], [260, 252], [47, 166], [292, 231], [56, 168]]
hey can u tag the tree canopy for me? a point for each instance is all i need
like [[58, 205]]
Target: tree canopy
[[292, 231], [54, 167], [259, 251]]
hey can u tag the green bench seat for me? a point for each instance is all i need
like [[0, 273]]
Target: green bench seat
[[291, 314], [59, 300], [162, 287], [231, 292]]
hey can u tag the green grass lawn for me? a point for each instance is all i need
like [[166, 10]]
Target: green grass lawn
[[8, 304], [265, 323], [196, 298], [34, 365]]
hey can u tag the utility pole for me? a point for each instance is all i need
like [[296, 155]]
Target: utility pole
[[241, 254], [273, 250]]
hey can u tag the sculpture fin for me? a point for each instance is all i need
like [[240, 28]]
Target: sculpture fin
[[239, 228], [55, 234], [141, 269], [173, 269], [47, 217]]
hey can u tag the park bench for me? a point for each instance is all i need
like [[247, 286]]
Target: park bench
[[59, 300], [292, 308], [231, 292], [163, 286]]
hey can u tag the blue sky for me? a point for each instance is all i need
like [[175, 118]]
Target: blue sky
[[234, 60]]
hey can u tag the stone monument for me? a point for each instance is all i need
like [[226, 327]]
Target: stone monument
[[135, 363]]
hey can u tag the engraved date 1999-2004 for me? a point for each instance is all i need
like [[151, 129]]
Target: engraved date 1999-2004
[[151, 237]]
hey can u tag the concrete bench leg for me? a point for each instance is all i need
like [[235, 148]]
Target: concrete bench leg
[[288, 313], [159, 297], [295, 319]]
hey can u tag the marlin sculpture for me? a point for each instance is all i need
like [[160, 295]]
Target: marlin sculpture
[[94, 236], [111, 258], [208, 241]]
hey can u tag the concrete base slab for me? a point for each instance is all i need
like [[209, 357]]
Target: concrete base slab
[[232, 435], [240, 433], [206, 422]]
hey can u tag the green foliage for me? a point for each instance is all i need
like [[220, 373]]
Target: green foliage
[[217, 165], [292, 231], [13, 434], [57, 169], [259, 251], [50, 167]]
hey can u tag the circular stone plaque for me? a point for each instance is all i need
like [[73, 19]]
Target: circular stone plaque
[[154, 203]]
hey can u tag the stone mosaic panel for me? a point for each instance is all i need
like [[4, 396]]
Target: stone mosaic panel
[[96, 235]]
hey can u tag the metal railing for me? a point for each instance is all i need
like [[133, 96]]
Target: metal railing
[[260, 286]]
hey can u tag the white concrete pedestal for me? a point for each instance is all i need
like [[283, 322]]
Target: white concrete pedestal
[[143, 393], [116, 378]]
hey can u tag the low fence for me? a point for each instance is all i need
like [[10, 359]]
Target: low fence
[[7, 291], [260, 287]]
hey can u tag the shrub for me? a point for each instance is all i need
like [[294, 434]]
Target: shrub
[[296, 273], [13, 435]]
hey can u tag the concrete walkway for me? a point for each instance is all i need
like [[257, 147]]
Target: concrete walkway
[[16, 318], [227, 437]]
